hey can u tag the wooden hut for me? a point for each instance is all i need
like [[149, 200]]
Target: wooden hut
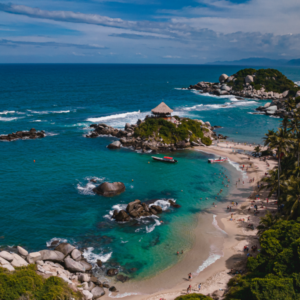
[[162, 111]]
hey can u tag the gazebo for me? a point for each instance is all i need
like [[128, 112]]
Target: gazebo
[[162, 111]]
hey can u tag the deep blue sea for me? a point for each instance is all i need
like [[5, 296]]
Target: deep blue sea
[[53, 198]]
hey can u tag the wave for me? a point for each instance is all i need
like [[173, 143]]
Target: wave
[[9, 119], [150, 228], [213, 257], [48, 112], [122, 295], [164, 204], [36, 121], [87, 189], [181, 89], [56, 239], [93, 257], [237, 167], [5, 112], [51, 134], [215, 223]]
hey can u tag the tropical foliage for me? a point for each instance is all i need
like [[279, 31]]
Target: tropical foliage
[[170, 133], [275, 272], [25, 283], [269, 79], [193, 297]]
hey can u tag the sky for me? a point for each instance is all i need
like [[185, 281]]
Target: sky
[[147, 31]]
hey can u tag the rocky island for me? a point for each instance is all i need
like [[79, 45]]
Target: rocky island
[[251, 83], [159, 132], [31, 134]]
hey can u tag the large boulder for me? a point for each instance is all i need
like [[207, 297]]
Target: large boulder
[[65, 248], [225, 88], [33, 257], [18, 261], [114, 145], [297, 94], [5, 264], [87, 295], [73, 266], [109, 189], [133, 205], [249, 79], [112, 272], [52, 255], [97, 292], [223, 78], [267, 105], [230, 78], [157, 208], [86, 265], [7, 256], [22, 251], [122, 216], [76, 254], [285, 94]]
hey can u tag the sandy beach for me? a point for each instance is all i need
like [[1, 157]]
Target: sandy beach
[[216, 233]]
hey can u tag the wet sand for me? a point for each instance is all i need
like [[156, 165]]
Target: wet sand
[[218, 241]]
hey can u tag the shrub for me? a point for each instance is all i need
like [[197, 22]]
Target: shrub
[[25, 283]]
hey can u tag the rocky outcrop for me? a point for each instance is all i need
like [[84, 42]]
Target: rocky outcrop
[[65, 248], [52, 255], [109, 189], [114, 145], [31, 134], [276, 108]]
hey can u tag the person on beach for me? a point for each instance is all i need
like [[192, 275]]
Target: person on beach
[[190, 276], [177, 252], [199, 287]]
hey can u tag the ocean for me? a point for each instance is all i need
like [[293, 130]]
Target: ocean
[[52, 197]]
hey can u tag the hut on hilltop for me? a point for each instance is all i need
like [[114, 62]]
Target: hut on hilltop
[[162, 111]]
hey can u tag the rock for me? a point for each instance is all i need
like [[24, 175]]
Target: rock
[[99, 263], [91, 285], [22, 251], [112, 272], [127, 125], [76, 254], [223, 77], [105, 285], [112, 289], [86, 265], [157, 208], [194, 144], [7, 256], [87, 295], [174, 204], [207, 124], [65, 248], [73, 266], [122, 216], [18, 261], [97, 292], [133, 205], [84, 278], [33, 257], [5, 264], [121, 278], [297, 94], [114, 145], [230, 78], [285, 94], [108, 189], [52, 255], [267, 105], [85, 286], [249, 79], [225, 87]]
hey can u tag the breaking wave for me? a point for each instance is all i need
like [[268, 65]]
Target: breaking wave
[[93, 257], [5, 112], [8, 119], [48, 112], [56, 239]]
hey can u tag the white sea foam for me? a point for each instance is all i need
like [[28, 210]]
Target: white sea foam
[[56, 239], [150, 228], [93, 257], [164, 204], [213, 257], [8, 119], [5, 112], [36, 121], [215, 223], [237, 167], [122, 295], [181, 89], [48, 112], [51, 134], [86, 189]]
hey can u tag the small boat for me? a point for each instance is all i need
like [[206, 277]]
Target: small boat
[[165, 159], [217, 160]]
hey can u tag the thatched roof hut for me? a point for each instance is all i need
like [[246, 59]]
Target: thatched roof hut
[[162, 110]]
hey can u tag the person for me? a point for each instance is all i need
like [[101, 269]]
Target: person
[[236, 203], [199, 287], [190, 276], [188, 290], [177, 252]]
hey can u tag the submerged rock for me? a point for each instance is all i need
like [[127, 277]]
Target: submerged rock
[[31, 134], [112, 272], [109, 189]]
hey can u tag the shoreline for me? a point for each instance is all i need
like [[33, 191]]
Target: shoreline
[[214, 268]]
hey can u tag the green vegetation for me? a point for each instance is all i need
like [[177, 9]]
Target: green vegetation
[[26, 284], [275, 272], [169, 132], [270, 79], [193, 297]]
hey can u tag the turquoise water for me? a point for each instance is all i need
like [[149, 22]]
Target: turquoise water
[[52, 198]]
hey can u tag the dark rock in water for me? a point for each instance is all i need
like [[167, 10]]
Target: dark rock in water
[[65, 248], [99, 263], [157, 208], [108, 189], [112, 272], [105, 285], [132, 270], [54, 243], [93, 180], [114, 145], [133, 205], [122, 216], [31, 134], [217, 127], [113, 289], [173, 204], [122, 278]]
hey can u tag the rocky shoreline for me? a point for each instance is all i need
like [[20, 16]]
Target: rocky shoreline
[[127, 138], [31, 134], [64, 261]]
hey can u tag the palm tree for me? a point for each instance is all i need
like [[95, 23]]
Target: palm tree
[[266, 223], [285, 123], [272, 182], [293, 194], [280, 141], [257, 149]]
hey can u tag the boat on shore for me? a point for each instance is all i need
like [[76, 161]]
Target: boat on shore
[[217, 160], [165, 159]]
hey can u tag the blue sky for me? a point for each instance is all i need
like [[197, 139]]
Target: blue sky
[[147, 31]]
